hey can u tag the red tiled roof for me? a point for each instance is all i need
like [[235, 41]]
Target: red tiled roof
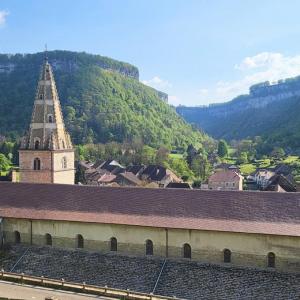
[[235, 211], [223, 176], [130, 177], [106, 178]]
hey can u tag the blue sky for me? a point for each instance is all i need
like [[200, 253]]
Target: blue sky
[[199, 52]]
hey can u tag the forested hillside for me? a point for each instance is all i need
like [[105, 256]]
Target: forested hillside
[[269, 111], [102, 100]]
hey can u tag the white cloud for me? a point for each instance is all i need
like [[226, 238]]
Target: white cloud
[[3, 15], [157, 83], [263, 59], [265, 66]]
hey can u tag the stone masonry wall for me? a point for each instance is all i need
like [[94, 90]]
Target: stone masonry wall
[[247, 249], [51, 167]]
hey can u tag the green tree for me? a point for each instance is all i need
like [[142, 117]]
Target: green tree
[[148, 155], [102, 101], [161, 156], [201, 167], [222, 148], [278, 153], [243, 158], [5, 163]]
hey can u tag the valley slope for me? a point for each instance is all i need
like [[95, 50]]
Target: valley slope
[[269, 111], [102, 100]]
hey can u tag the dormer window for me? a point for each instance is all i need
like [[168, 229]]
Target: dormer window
[[36, 143], [50, 119]]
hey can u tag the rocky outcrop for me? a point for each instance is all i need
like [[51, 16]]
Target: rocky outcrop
[[68, 61], [260, 95]]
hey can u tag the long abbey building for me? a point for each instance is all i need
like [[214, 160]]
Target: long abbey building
[[47, 154]]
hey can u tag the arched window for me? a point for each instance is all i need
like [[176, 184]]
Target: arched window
[[17, 237], [63, 144], [80, 241], [227, 256], [149, 247], [64, 162], [37, 144], [187, 251], [113, 244], [48, 239], [50, 119], [41, 96], [36, 164], [271, 260]]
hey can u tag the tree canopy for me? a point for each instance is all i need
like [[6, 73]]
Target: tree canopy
[[102, 101], [222, 148]]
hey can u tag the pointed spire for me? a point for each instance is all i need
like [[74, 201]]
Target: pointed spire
[[47, 129], [46, 53]]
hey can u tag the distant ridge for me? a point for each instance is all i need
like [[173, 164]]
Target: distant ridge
[[269, 110]]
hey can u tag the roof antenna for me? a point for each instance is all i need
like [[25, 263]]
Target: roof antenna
[[46, 53]]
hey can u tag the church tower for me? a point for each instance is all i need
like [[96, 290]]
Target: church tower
[[46, 154]]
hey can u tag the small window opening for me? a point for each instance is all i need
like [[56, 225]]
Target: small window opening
[[80, 241], [187, 251], [48, 239], [227, 256], [37, 164], [17, 237], [149, 247], [64, 162], [36, 144], [113, 244], [271, 260]]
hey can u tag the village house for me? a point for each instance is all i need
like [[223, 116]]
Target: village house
[[280, 183], [160, 175], [128, 179], [278, 179], [133, 175], [226, 180], [262, 177]]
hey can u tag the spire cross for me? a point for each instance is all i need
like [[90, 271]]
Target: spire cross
[[46, 52]]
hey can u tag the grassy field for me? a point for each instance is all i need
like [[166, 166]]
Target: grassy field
[[231, 151], [176, 155], [247, 168], [266, 163], [291, 159]]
